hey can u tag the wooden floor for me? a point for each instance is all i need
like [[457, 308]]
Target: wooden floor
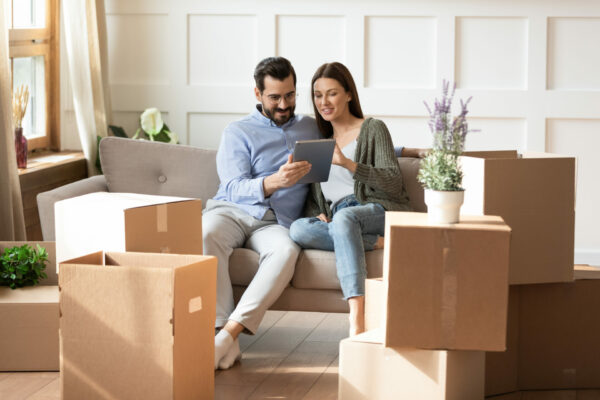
[[294, 355]]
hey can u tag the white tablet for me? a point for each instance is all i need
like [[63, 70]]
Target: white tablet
[[319, 154]]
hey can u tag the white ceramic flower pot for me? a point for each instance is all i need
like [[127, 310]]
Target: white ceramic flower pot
[[443, 207]]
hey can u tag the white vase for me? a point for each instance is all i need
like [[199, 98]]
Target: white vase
[[443, 207]]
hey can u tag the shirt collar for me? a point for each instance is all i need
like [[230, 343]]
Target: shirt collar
[[258, 115]]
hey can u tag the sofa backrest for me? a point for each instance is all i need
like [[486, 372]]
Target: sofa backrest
[[140, 166]]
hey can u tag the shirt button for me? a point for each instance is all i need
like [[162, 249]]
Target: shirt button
[[162, 179]]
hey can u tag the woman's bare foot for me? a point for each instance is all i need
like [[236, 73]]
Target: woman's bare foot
[[357, 315]]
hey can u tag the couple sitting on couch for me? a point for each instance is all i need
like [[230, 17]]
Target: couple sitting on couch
[[259, 204]]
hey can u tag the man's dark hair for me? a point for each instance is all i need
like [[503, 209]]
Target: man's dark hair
[[276, 67]]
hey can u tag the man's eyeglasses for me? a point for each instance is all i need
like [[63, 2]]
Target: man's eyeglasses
[[276, 98]]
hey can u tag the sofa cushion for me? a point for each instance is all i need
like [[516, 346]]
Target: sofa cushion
[[315, 269], [410, 168], [141, 166], [243, 265]]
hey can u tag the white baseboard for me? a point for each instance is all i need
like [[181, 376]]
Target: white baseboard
[[587, 256]]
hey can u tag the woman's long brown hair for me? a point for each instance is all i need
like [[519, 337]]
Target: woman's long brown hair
[[340, 73]]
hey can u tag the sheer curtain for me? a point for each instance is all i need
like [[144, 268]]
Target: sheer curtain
[[85, 38], [12, 224]]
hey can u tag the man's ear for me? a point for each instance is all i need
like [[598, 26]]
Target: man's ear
[[257, 94]]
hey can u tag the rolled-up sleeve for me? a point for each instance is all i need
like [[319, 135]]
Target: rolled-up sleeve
[[235, 170]]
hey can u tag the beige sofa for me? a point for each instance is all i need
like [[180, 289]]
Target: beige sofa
[[138, 166]]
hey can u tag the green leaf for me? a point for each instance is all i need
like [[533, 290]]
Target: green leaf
[[118, 131], [98, 166]]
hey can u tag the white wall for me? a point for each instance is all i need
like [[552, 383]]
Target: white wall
[[532, 67]]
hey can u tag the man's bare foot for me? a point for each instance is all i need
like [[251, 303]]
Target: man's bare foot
[[379, 243]]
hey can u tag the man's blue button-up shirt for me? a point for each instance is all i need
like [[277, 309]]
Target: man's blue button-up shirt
[[254, 148]]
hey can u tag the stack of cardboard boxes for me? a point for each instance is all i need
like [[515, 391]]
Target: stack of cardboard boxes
[[134, 322], [547, 322]]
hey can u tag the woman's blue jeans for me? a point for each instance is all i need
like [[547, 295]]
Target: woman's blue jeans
[[353, 229]]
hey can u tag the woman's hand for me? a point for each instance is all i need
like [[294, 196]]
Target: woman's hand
[[340, 159], [323, 218]]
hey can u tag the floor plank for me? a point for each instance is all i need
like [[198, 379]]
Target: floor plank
[[21, 385], [266, 353], [326, 387], [298, 372], [333, 328], [270, 318]]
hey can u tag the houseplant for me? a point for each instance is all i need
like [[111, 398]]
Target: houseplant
[[152, 127], [22, 266], [440, 172]]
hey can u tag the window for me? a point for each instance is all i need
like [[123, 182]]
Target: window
[[34, 57]]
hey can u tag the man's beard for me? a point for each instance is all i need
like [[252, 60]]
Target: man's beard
[[270, 113]]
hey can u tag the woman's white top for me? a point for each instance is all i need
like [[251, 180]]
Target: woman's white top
[[340, 182]]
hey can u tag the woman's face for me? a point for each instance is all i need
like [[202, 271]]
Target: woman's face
[[331, 99]]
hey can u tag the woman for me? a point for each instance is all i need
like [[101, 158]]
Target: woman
[[347, 213]]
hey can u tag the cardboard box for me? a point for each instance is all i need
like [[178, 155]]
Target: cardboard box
[[501, 368], [137, 325], [535, 195], [370, 371], [375, 300], [127, 222], [29, 318], [447, 285], [553, 338]]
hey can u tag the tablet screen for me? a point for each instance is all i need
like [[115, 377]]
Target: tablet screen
[[319, 154]]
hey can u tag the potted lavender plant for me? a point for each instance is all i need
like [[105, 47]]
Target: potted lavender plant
[[440, 172]]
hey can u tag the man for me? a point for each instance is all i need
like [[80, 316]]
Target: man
[[257, 200]]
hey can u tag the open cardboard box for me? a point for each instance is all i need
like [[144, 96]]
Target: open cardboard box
[[535, 195], [553, 333], [137, 325], [445, 286], [368, 371], [127, 222], [29, 318]]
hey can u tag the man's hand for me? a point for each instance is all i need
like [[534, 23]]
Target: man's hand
[[287, 175], [323, 218]]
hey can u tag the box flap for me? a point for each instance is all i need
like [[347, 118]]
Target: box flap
[[508, 154], [165, 228], [194, 316], [119, 316]]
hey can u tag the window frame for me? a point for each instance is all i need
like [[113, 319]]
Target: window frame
[[29, 42]]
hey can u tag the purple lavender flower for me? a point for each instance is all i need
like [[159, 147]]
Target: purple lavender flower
[[449, 134]]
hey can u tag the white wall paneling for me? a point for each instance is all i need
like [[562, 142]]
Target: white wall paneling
[[205, 128], [208, 36], [531, 67], [401, 52], [573, 53], [135, 49], [491, 53]]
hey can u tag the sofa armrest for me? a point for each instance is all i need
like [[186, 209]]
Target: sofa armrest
[[47, 199]]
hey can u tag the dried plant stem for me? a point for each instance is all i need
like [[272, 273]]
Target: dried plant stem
[[20, 100]]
